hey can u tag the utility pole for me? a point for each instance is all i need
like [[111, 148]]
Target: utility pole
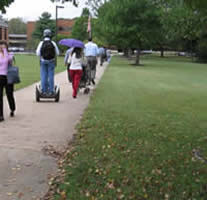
[[56, 21]]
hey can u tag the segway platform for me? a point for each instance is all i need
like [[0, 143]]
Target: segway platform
[[40, 95]]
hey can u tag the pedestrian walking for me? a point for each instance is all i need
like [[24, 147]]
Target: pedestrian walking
[[76, 60], [5, 60], [102, 54], [108, 55], [10, 88], [91, 53], [47, 50]]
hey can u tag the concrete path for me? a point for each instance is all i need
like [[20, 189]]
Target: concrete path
[[24, 168]]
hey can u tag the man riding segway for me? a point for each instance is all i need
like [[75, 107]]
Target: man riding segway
[[47, 50]]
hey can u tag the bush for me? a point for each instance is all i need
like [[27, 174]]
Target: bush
[[61, 47]]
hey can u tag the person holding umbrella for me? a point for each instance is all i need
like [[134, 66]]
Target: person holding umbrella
[[75, 69], [75, 59]]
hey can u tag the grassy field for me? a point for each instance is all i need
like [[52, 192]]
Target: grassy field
[[143, 135], [29, 68]]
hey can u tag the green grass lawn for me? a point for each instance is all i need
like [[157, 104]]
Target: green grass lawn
[[136, 139], [29, 69]]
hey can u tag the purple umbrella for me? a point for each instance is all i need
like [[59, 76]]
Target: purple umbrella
[[72, 43]]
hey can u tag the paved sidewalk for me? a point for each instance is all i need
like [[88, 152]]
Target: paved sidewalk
[[24, 167]]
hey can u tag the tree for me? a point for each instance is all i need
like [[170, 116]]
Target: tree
[[95, 5], [5, 3], [129, 24], [79, 30], [75, 2], [180, 25], [198, 4], [17, 26], [44, 22]]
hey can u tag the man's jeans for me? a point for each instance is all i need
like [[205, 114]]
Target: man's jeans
[[47, 70]]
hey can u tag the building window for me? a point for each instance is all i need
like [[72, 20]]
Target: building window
[[5, 34], [0, 33]]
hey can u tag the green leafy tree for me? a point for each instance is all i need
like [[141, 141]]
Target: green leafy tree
[[129, 24], [95, 5], [197, 4], [44, 22], [62, 48], [32, 44], [17, 26], [79, 30], [179, 25], [5, 3]]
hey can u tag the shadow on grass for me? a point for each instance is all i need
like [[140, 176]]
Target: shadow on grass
[[137, 65]]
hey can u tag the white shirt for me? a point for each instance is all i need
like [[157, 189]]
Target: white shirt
[[76, 63], [91, 49]]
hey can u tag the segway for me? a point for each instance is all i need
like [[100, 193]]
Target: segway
[[40, 95]]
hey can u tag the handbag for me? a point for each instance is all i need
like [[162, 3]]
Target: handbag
[[13, 75]]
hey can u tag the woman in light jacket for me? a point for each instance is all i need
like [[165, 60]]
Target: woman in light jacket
[[76, 69], [5, 60]]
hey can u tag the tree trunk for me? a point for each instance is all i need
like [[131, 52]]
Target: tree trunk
[[162, 52], [126, 53], [137, 57]]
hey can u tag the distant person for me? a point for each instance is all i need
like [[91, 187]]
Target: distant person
[[102, 54], [76, 60], [10, 88], [108, 55], [91, 53], [47, 50], [5, 60]]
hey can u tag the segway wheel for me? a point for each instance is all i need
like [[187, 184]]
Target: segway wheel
[[37, 94], [57, 98]]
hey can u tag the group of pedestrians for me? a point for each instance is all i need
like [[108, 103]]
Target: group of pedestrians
[[47, 50], [75, 65], [74, 59]]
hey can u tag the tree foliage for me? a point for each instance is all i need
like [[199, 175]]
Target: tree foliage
[[129, 24], [44, 22], [79, 30], [158, 24], [180, 24], [75, 2], [17, 26], [5, 3], [197, 4]]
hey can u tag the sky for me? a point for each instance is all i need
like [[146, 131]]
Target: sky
[[31, 10]]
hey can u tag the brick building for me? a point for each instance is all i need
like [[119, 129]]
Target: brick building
[[17, 40], [64, 27], [3, 30]]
